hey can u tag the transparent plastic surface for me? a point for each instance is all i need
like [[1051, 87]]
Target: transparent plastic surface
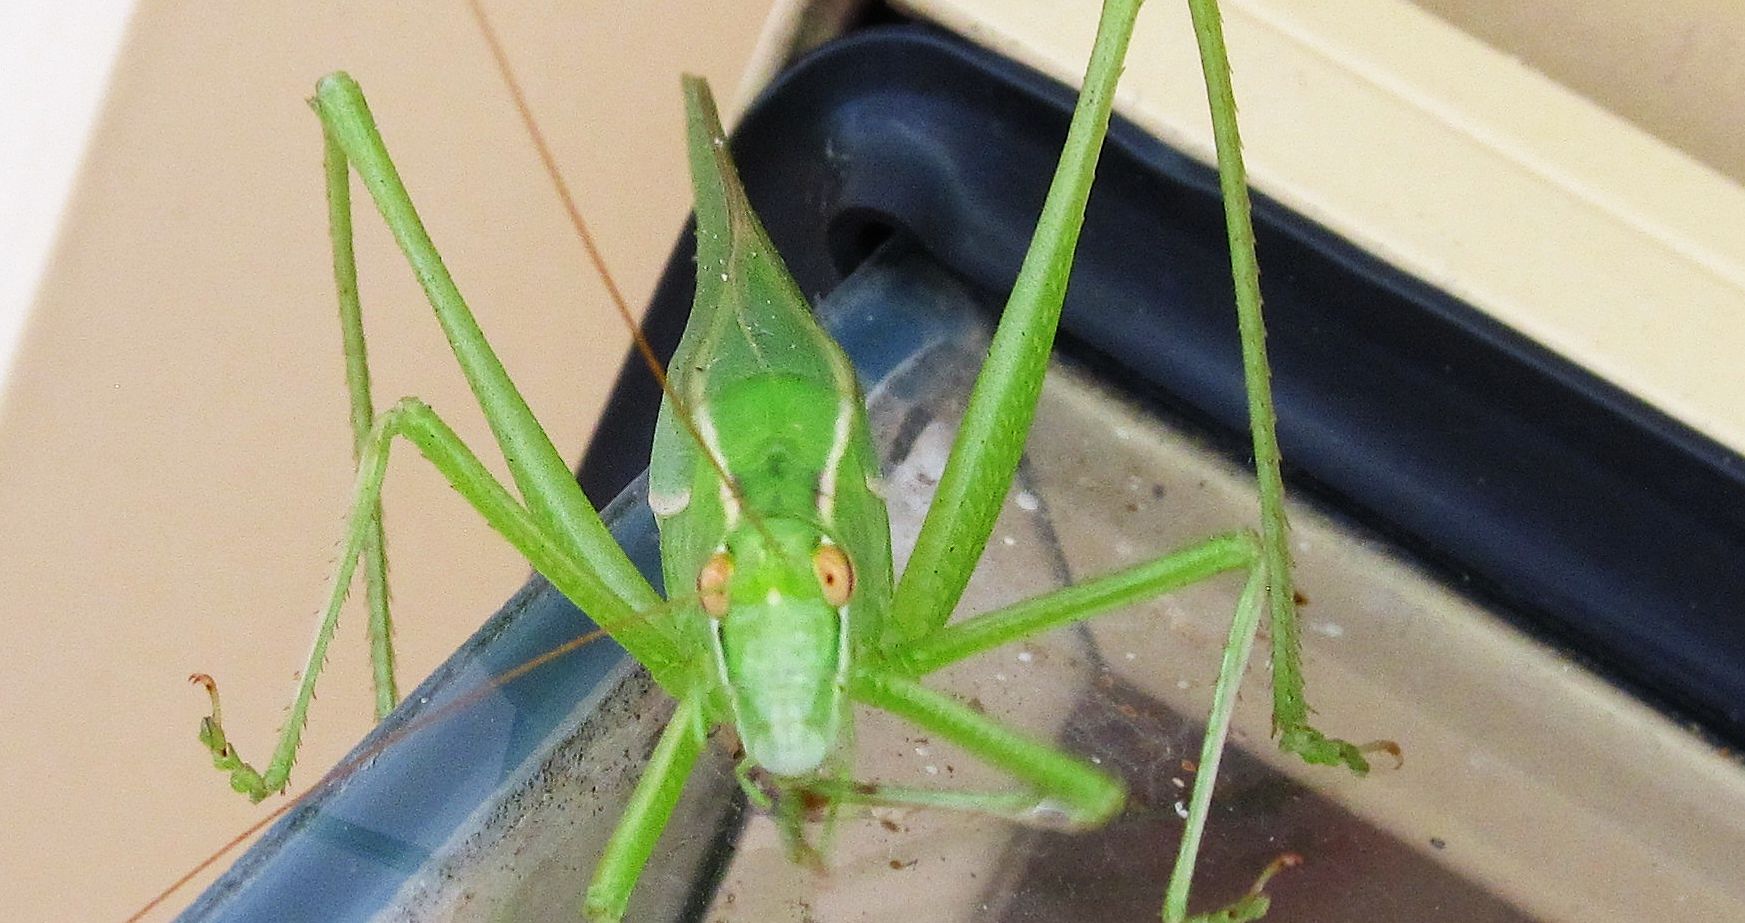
[[1530, 789]]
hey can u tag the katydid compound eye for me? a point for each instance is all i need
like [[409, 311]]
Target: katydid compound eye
[[835, 574], [712, 584]]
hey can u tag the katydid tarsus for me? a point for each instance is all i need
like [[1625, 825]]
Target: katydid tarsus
[[785, 613]]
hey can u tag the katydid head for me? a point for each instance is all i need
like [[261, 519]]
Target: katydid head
[[777, 597]]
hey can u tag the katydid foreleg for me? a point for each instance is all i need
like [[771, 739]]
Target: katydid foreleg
[[651, 804]]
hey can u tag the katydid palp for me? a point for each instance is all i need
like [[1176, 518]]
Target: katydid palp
[[765, 486]]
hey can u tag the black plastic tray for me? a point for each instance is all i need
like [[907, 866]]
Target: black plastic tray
[[1592, 517]]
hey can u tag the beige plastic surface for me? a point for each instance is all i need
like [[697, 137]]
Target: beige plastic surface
[[1671, 68], [174, 458]]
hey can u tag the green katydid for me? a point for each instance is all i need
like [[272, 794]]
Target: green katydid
[[765, 485]]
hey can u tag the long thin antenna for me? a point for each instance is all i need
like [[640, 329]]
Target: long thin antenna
[[580, 224]]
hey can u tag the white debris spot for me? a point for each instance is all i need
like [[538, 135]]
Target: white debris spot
[[1123, 434], [1008, 541], [665, 504], [1183, 684], [1129, 656], [724, 277], [932, 770], [1050, 813], [1177, 782], [1025, 656], [910, 482], [1181, 810], [921, 751], [1028, 502], [1097, 760], [774, 597], [1000, 677], [1328, 629]]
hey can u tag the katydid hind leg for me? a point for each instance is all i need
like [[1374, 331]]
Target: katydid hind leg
[[541, 530], [955, 519], [544, 481], [541, 476], [1290, 710], [357, 385]]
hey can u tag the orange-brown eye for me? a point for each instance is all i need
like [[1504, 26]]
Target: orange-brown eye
[[712, 584], [835, 574]]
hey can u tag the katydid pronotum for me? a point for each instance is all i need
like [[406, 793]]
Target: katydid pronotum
[[765, 485]]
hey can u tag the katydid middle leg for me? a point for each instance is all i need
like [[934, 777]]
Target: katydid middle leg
[[1063, 789], [1236, 551], [438, 443]]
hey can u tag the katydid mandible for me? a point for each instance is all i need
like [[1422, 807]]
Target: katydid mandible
[[785, 612]]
